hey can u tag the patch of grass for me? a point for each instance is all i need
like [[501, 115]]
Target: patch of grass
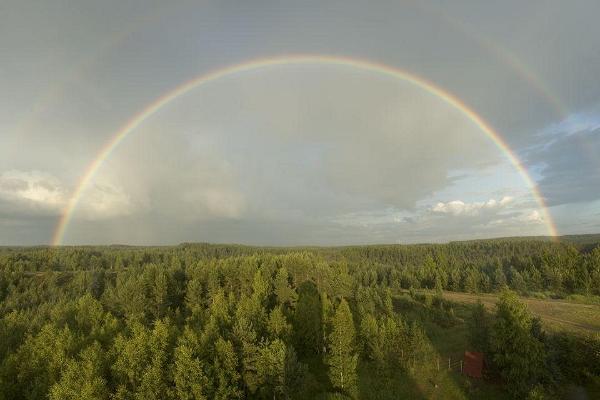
[[426, 381], [419, 383], [557, 315], [583, 299]]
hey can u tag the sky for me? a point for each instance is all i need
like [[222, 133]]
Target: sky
[[310, 153]]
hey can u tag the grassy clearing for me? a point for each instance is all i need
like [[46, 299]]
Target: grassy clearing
[[556, 314], [426, 381]]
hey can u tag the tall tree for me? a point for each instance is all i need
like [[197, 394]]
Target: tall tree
[[271, 369], [478, 327], [191, 382], [342, 358], [142, 359], [82, 379], [278, 326], [284, 293], [516, 353], [225, 371]]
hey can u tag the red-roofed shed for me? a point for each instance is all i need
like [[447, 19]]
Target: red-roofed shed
[[473, 364]]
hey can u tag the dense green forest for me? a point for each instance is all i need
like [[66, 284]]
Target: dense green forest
[[200, 321]]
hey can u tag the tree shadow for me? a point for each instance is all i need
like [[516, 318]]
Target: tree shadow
[[375, 384], [430, 378], [309, 340]]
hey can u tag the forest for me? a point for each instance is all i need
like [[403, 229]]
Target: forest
[[203, 321]]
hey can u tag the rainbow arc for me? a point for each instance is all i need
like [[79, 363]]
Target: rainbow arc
[[138, 119]]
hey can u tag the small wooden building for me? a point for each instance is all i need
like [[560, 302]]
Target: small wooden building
[[473, 364]]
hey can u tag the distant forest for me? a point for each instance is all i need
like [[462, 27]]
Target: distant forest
[[201, 321]]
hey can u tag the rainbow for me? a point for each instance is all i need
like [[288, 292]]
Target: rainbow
[[256, 64], [502, 54]]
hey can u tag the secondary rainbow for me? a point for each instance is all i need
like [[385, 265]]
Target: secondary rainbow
[[256, 64], [502, 54]]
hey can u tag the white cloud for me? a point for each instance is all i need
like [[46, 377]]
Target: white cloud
[[32, 190], [534, 216], [460, 208], [503, 213], [41, 193]]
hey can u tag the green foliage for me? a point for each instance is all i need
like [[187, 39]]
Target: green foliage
[[142, 360], [83, 378], [308, 319], [478, 326], [278, 326], [200, 321], [342, 358], [384, 341], [516, 352], [190, 380], [284, 293], [225, 372], [39, 362], [270, 368]]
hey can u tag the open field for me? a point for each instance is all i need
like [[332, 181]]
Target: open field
[[428, 383], [556, 314]]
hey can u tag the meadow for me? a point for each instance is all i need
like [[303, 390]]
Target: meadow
[[557, 314]]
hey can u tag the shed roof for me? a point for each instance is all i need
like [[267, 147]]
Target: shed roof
[[473, 364]]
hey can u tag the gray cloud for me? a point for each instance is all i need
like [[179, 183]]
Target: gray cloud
[[305, 144], [284, 155], [32, 192]]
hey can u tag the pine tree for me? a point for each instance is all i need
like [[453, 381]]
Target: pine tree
[[516, 353], [246, 341], [499, 277], [188, 370], [225, 370], [278, 326], [517, 282], [142, 359], [284, 293], [478, 326], [82, 378], [270, 369], [342, 358], [369, 335]]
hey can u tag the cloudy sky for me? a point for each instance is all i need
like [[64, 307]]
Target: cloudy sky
[[311, 153]]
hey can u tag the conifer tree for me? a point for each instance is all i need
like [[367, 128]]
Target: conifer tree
[[278, 326], [191, 382], [82, 379], [342, 358], [478, 328], [283, 292], [225, 371], [270, 369], [516, 353]]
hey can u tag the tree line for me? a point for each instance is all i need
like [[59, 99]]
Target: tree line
[[227, 322]]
